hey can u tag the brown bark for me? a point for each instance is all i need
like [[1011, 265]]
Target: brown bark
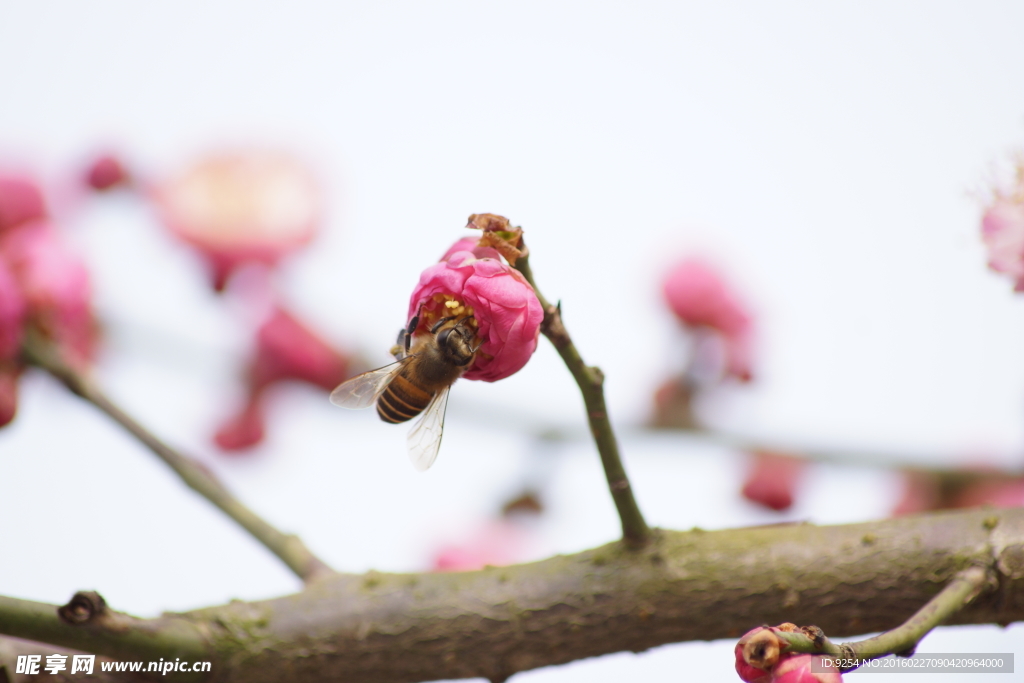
[[692, 585]]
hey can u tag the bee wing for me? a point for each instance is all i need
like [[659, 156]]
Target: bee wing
[[363, 390], [425, 437]]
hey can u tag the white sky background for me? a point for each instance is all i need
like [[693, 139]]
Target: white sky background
[[824, 155]]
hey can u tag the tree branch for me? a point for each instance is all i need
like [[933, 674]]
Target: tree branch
[[902, 640], [695, 585], [288, 547], [591, 382]]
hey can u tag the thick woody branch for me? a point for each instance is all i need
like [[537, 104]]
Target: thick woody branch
[[86, 624], [694, 585], [591, 382], [288, 547]]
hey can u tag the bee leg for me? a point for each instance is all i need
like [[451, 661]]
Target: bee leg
[[408, 333], [439, 323]]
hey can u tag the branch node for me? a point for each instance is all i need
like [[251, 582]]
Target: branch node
[[85, 606]]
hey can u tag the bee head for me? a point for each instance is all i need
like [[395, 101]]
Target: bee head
[[456, 341]]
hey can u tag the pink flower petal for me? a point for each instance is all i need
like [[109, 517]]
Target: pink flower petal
[[797, 668], [504, 305]]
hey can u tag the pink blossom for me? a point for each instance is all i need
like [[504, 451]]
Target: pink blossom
[[286, 350], [495, 544], [772, 480], [106, 173], [921, 491], [997, 492], [12, 312], [700, 298], [798, 668], [8, 392], [241, 208], [1002, 230], [498, 297], [55, 285], [471, 244], [244, 430], [21, 201]]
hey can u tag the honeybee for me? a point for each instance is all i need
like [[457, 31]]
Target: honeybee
[[418, 383]]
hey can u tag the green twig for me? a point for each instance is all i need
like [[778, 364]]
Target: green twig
[[902, 640], [288, 547], [591, 382]]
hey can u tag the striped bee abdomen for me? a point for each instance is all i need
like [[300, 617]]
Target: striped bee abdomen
[[402, 400]]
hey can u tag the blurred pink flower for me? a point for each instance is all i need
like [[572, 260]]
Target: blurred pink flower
[[55, 285], [501, 301], [105, 173], [797, 668], [242, 207], [701, 298], [21, 201], [1000, 493], [495, 544], [288, 350], [772, 480], [1002, 230], [12, 313], [244, 430], [8, 392], [285, 350]]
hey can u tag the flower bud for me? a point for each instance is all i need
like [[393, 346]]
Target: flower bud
[[772, 480], [761, 658], [797, 668], [502, 304], [242, 208], [285, 350], [21, 201], [756, 652], [106, 173], [701, 299], [244, 430], [288, 350]]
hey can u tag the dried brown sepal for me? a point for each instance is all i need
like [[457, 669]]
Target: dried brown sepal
[[816, 635], [84, 607], [762, 650], [499, 234]]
